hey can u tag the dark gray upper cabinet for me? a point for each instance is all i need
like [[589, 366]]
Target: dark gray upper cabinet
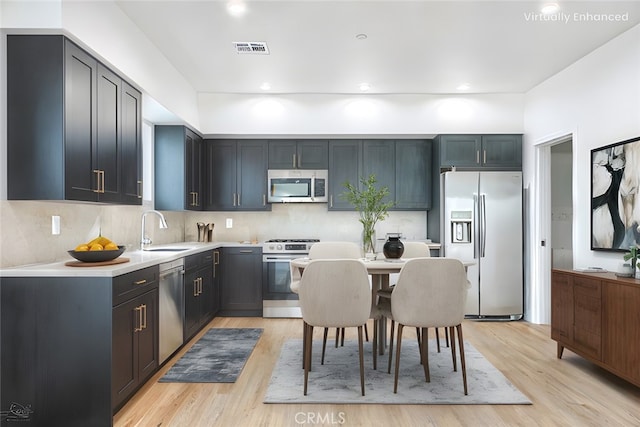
[[379, 158], [345, 164], [67, 115], [500, 152], [403, 166], [292, 154], [131, 145], [193, 171], [178, 169], [236, 175], [413, 177]]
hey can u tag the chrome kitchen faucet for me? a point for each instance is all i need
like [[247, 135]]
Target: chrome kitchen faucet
[[163, 224]]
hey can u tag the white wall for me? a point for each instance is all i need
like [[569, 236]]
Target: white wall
[[354, 115], [598, 100]]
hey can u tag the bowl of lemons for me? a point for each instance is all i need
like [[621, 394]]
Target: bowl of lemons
[[99, 249]]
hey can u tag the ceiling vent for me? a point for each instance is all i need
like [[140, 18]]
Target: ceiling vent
[[251, 48]]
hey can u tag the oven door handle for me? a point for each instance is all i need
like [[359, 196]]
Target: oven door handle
[[285, 258]]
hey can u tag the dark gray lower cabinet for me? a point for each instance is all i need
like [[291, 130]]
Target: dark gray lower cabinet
[[134, 331], [241, 287], [199, 295], [73, 349], [135, 344], [55, 351]]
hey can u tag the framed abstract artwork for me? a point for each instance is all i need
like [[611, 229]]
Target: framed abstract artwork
[[615, 196]]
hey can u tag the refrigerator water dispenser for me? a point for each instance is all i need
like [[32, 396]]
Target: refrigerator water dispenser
[[461, 226]]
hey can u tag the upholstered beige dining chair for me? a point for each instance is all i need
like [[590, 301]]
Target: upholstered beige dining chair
[[431, 293], [326, 250], [334, 294], [416, 250], [383, 309]]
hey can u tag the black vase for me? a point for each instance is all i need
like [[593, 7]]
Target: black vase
[[393, 247]]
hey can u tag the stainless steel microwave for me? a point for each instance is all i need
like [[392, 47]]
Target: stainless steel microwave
[[297, 186]]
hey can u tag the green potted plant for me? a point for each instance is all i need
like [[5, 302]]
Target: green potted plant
[[633, 256], [369, 202]]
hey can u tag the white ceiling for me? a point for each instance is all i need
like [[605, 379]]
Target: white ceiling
[[411, 46]]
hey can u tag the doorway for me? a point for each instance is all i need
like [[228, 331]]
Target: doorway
[[561, 205], [553, 210]]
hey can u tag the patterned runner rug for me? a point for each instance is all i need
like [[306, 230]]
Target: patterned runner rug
[[217, 357]]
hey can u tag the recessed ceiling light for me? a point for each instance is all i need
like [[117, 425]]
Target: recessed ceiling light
[[365, 87], [464, 86], [361, 36], [265, 86], [550, 8], [236, 7]]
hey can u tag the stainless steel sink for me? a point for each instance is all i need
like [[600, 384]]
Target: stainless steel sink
[[165, 249]]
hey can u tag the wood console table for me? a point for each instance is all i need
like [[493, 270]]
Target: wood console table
[[597, 315]]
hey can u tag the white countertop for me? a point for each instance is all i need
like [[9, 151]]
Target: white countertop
[[138, 259]]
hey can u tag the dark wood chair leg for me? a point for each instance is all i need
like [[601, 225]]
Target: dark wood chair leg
[[438, 339], [462, 361], [399, 343], [375, 344], [446, 336], [304, 341], [366, 333], [324, 344], [453, 349], [419, 337], [337, 336], [342, 337], [393, 324], [307, 346], [424, 355], [361, 352]]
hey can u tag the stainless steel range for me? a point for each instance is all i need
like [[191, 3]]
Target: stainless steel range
[[277, 298]]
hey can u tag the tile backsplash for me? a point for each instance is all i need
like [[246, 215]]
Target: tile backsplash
[[25, 227]]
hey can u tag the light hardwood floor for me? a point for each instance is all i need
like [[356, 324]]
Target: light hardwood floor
[[566, 392]]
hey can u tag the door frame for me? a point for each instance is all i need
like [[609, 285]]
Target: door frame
[[540, 292]]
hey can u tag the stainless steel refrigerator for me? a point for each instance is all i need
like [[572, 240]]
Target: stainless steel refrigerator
[[481, 221]]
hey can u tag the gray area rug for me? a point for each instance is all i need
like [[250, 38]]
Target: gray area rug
[[217, 357], [338, 380]]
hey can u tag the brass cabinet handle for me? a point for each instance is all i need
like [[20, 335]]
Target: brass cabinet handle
[[138, 327], [484, 156], [200, 284], [139, 189], [140, 282], [239, 199], [195, 287], [478, 156], [331, 200], [234, 199], [97, 172], [143, 308]]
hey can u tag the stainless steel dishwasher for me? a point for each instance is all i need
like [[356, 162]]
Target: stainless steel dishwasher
[[171, 311]]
